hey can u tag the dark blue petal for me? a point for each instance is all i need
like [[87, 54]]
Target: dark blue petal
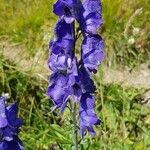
[[3, 145], [57, 62], [63, 30], [14, 144], [87, 84], [12, 111], [77, 92], [58, 8], [59, 89], [91, 131], [92, 51], [3, 117], [65, 9], [90, 17], [9, 128], [87, 116], [8, 134], [72, 68], [61, 48]]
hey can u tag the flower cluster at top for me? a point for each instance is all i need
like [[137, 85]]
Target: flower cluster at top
[[70, 77], [9, 126]]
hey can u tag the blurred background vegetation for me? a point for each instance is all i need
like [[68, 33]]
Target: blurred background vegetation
[[126, 122]]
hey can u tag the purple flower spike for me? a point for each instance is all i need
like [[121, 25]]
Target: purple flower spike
[[87, 116], [92, 51], [9, 127], [70, 77], [90, 16]]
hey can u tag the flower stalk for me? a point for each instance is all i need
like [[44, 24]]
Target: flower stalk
[[75, 127], [74, 108]]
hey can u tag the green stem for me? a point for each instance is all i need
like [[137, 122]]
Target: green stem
[[75, 128]]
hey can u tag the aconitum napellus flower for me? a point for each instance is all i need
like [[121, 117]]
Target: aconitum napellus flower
[[71, 75], [9, 126]]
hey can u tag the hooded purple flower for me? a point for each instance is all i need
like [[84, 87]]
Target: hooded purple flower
[[63, 85], [65, 9], [63, 40], [63, 31], [90, 17], [59, 90], [92, 52], [9, 126], [61, 54], [87, 116]]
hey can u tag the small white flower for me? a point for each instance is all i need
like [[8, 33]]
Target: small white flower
[[136, 31], [6, 95], [131, 41]]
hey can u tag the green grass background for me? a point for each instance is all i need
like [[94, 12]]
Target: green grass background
[[125, 123]]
